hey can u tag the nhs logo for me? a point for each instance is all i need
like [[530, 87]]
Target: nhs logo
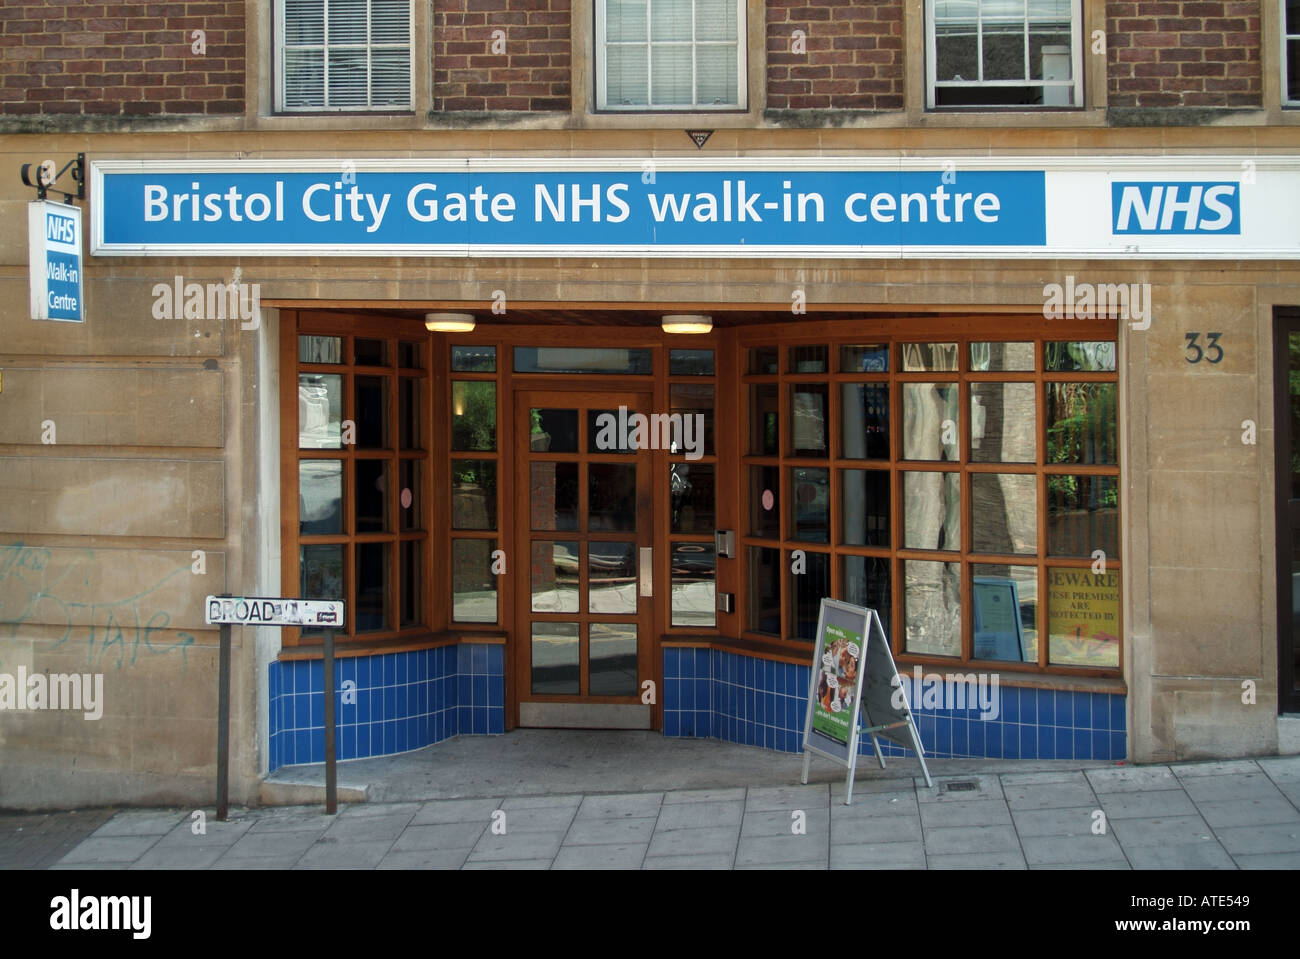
[[60, 229], [1176, 208]]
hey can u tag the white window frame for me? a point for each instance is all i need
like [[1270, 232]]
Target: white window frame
[[1075, 83], [280, 70], [602, 87], [1287, 66]]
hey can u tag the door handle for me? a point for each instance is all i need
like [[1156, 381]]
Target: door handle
[[645, 572]]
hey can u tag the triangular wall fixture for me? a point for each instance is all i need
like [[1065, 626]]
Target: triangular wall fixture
[[700, 137]]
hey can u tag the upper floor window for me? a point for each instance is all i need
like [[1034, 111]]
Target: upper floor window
[[343, 54], [1291, 53], [670, 55], [1003, 53]]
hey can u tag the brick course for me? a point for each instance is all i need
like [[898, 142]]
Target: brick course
[[853, 58], [128, 59], [1199, 53], [534, 71]]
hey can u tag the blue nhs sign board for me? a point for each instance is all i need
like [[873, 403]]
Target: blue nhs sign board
[[1176, 208], [54, 258]]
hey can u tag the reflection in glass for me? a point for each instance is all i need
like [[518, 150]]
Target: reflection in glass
[[372, 411], [570, 359], [611, 659], [808, 419], [764, 500], [931, 421], [693, 403], [473, 415], [1082, 515], [412, 582], [807, 589], [373, 595], [864, 424], [473, 585], [369, 352], [409, 356], [474, 494], [1003, 423], [474, 359], [320, 411], [690, 362], [611, 577], [692, 497], [873, 358], [607, 433], [611, 497], [553, 495], [1002, 357], [808, 359], [764, 420], [320, 576], [1081, 423], [1005, 607], [1083, 617], [694, 572], [320, 496], [866, 583], [764, 592], [371, 499], [409, 432], [929, 357], [555, 580], [866, 507], [931, 510], [554, 431], [320, 349], [764, 360], [811, 505], [1096, 357], [555, 658], [932, 607], [410, 496], [1004, 513]]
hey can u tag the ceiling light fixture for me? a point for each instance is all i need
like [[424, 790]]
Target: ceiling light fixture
[[449, 322], [686, 323]]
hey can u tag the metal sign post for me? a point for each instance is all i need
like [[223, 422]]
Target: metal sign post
[[226, 610]]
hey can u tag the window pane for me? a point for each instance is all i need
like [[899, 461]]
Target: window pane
[[811, 515], [1004, 513], [390, 21], [929, 357], [320, 576], [717, 80], [390, 77], [808, 419], [320, 349], [372, 412], [553, 496], [932, 607], [931, 510], [930, 421], [865, 359], [765, 590], [808, 359], [1003, 423], [1081, 423], [807, 590], [346, 77], [1293, 68], [320, 411], [1049, 52], [1001, 357], [763, 360], [304, 79], [473, 415], [694, 403], [864, 420], [554, 431], [694, 572], [1005, 607], [1082, 515], [764, 420], [411, 495], [693, 498], [865, 507], [369, 352], [608, 432], [764, 497], [690, 362], [611, 577], [473, 585], [956, 52], [474, 494], [474, 359], [670, 75], [371, 501], [304, 21], [555, 658], [625, 19], [671, 19], [347, 21], [627, 76], [1004, 51], [568, 359], [410, 356], [410, 431], [866, 583], [1095, 357], [715, 20], [611, 497], [320, 496], [412, 582], [374, 587], [1083, 617], [611, 659], [555, 576]]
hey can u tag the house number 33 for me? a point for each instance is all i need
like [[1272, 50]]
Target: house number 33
[[1212, 351]]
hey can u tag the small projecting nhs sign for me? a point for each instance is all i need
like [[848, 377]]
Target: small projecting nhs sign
[[54, 255]]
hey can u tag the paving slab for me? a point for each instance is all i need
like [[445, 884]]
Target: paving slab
[[877, 804], [596, 832], [1276, 838], [1072, 866], [1076, 821], [509, 864], [700, 814], [1157, 803], [988, 812], [1182, 856], [781, 823], [197, 856], [1040, 850], [629, 806], [447, 835], [291, 819], [368, 828], [1002, 859], [517, 846], [291, 844], [142, 822], [987, 786], [1226, 767], [538, 817], [1223, 813], [456, 810], [970, 839], [877, 855], [39, 840], [1247, 785], [110, 849], [885, 829], [1281, 769], [604, 856], [1038, 778], [711, 860], [424, 859], [763, 798], [758, 850], [360, 854], [1161, 830], [1269, 860], [677, 842], [704, 795], [1132, 779], [1051, 795]]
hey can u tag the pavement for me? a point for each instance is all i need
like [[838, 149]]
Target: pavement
[[543, 799]]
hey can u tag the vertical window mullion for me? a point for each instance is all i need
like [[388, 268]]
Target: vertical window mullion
[[1027, 71], [979, 41]]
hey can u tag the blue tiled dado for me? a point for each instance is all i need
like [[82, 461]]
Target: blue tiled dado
[[715, 694], [402, 701]]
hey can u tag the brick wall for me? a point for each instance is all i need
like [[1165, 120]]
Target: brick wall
[[107, 59], [853, 58], [1203, 53], [533, 72]]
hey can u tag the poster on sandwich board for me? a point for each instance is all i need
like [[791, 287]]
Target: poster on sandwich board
[[855, 688]]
